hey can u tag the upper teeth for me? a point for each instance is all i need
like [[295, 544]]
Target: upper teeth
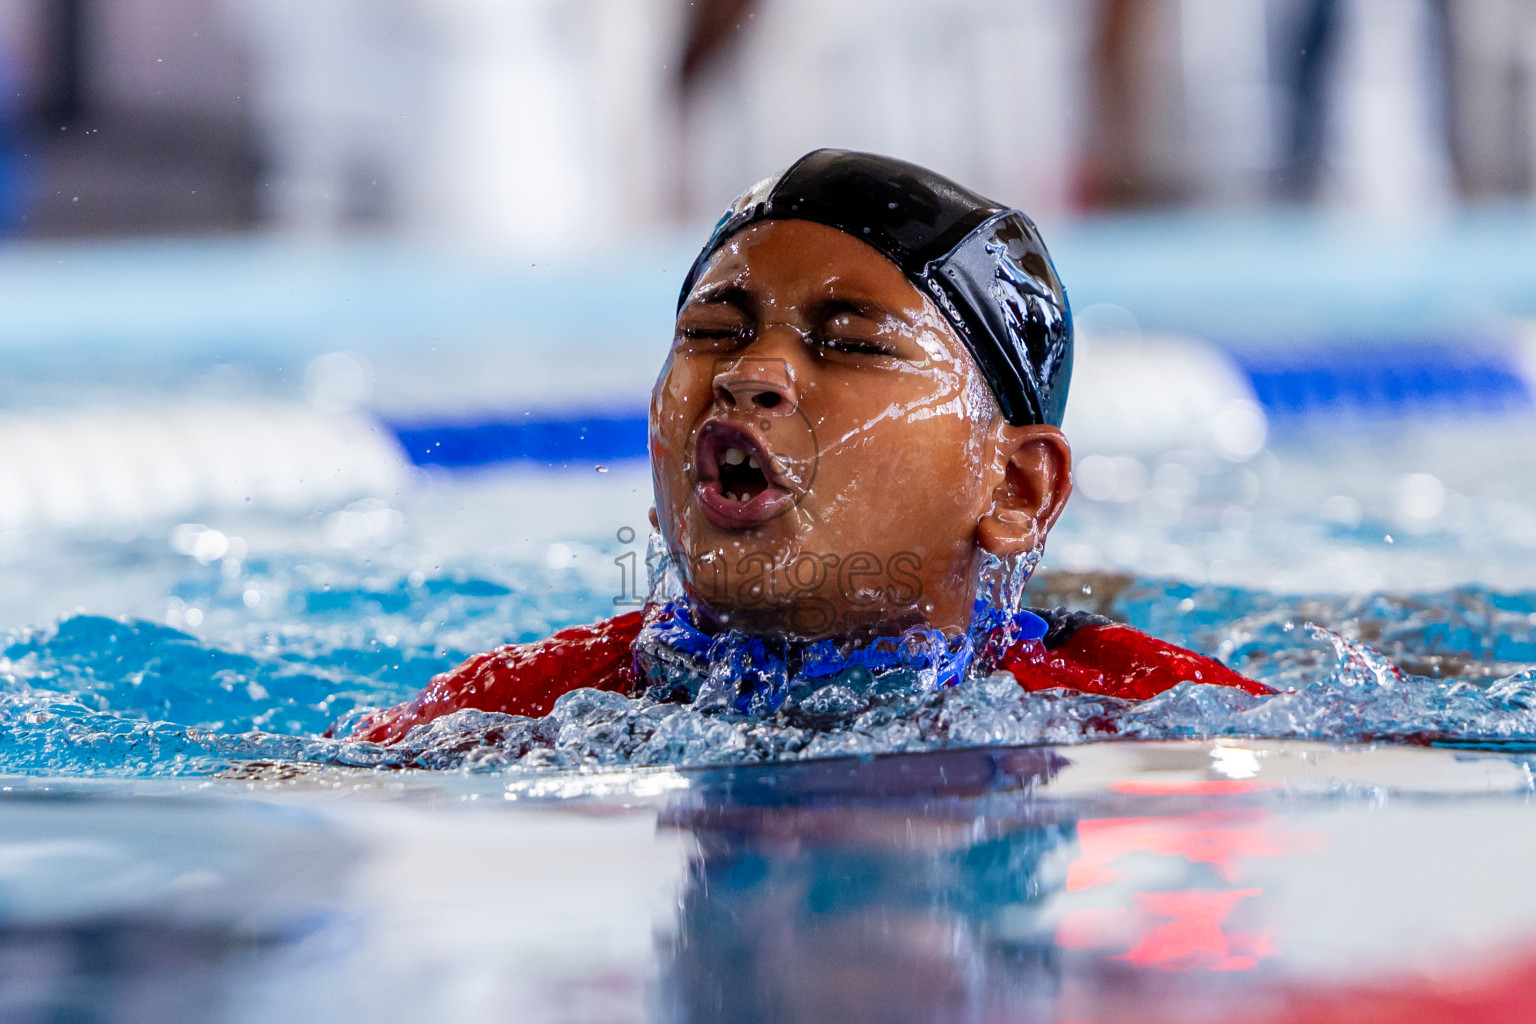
[[735, 456], [752, 462]]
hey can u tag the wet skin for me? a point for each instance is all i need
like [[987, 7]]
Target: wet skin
[[820, 464]]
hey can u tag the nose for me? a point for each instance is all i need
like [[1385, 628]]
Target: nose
[[764, 386]]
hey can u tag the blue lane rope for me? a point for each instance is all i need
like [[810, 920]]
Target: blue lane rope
[[1379, 380], [548, 440]]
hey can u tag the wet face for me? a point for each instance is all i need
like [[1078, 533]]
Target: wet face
[[824, 455]]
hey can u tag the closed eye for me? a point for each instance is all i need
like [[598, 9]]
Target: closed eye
[[852, 330], [853, 346]]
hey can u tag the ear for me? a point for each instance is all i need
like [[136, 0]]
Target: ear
[[655, 523], [1035, 478]]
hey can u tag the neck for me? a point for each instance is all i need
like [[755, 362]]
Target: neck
[[949, 613]]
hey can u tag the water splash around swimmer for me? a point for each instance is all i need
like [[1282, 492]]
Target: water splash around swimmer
[[756, 674], [93, 696]]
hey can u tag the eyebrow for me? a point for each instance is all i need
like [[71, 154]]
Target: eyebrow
[[727, 293]]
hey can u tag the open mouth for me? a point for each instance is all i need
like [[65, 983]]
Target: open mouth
[[738, 484], [741, 475]]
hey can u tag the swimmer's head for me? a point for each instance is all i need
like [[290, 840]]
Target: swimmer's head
[[861, 401]]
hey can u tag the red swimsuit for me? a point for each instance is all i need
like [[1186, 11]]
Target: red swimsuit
[[1083, 653]]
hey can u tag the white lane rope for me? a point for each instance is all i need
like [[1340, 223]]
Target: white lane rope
[[62, 468]]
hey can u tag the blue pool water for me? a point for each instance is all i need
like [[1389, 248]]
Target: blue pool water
[[98, 695]]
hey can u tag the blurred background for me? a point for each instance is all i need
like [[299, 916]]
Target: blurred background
[[395, 276], [525, 123], [528, 123]]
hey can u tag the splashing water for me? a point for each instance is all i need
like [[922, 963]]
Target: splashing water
[[757, 674], [1363, 697], [101, 696]]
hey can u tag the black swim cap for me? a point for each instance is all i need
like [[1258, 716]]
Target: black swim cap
[[982, 263]]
